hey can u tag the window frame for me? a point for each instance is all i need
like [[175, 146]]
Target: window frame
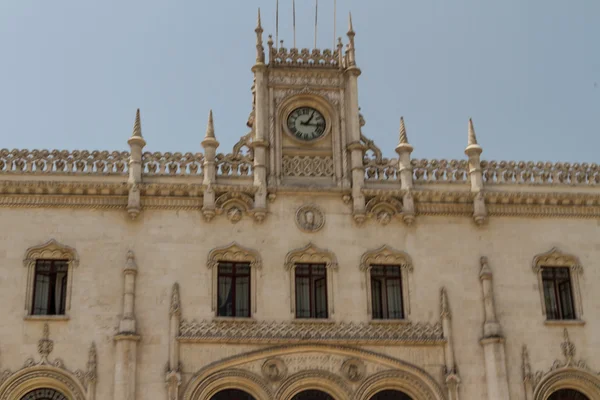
[[234, 275], [49, 251], [311, 254], [558, 259], [234, 253], [53, 271], [387, 256], [384, 291], [312, 294]]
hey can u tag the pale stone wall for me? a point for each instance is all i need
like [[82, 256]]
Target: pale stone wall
[[172, 246]]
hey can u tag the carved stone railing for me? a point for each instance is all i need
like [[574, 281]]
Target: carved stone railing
[[294, 332], [304, 58], [381, 170], [172, 163], [544, 173], [239, 162], [64, 162], [440, 171]]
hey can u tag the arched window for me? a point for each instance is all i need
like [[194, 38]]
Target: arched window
[[44, 394], [567, 394], [312, 395], [232, 394], [391, 395]]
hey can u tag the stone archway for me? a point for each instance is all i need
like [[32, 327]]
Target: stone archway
[[568, 394], [44, 394]]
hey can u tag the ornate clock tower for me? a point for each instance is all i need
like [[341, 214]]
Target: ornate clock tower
[[305, 119]]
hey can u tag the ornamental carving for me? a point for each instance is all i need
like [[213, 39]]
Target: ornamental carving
[[174, 164], [377, 168], [310, 254], [310, 218], [453, 171], [540, 173], [51, 250], [333, 97], [383, 208], [234, 205], [353, 369], [385, 255], [274, 332], [239, 162], [232, 253], [556, 258], [304, 166], [292, 78], [303, 58], [274, 369]]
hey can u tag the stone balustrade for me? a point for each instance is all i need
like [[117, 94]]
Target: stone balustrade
[[540, 173], [172, 163], [440, 171]]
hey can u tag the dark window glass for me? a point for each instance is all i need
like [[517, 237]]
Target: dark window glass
[[386, 292], [558, 296], [312, 395], [311, 291], [232, 394], [568, 394], [233, 290], [50, 287], [44, 394]]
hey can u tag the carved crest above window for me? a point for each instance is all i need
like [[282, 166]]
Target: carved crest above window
[[51, 250], [310, 254], [556, 258], [385, 255], [234, 252]]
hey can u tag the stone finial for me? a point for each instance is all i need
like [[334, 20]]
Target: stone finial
[[350, 27], [136, 136], [91, 372], [130, 265], [403, 145], [486, 271], [260, 51], [45, 345], [210, 127], [472, 145], [444, 307], [258, 24], [175, 301]]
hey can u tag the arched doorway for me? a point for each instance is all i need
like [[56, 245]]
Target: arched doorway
[[44, 394], [232, 394], [312, 395], [568, 394], [391, 395]]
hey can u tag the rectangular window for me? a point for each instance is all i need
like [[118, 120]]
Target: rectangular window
[[50, 287], [311, 291], [557, 293], [233, 290], [386, 292]]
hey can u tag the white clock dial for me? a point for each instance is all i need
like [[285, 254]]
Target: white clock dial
[[306, 123]]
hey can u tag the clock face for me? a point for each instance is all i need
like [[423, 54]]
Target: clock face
[[306, 123]]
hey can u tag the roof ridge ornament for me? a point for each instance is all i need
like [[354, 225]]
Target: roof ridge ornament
[[137, 126], [210, 127], [472, 140]]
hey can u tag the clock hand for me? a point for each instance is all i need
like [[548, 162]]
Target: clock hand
[[310, 119]]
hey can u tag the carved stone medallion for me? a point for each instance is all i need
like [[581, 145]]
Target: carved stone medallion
[[353, 369], [274, 369], [310, 218]]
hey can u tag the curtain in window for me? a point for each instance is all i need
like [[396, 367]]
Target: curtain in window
[[376, 298], [394, 298], [225, 296], [40, 299], [242, 296], [302, 297], [321, 298]]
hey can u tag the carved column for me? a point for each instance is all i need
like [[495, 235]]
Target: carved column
[[173, 378], [127, 337], [452, 378], [527, 375], [210, 145], [404, 149], [91, 373], [260, 142], [136, 144], [492, 341], [473, 151]]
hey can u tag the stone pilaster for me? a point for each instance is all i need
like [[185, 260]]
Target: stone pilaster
[[136, 144], [451, 374], [492, 340], [473, 151], [127, 337], [173, 377], [527, 374], [210, 145], [404, 150]]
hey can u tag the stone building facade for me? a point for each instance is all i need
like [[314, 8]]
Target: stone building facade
[[303, 264]]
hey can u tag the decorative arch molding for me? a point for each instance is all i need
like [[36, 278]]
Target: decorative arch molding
[[42, 376], [311, 254], [324, 381], [51, 250], [568, 378], [418, 380], [557, 259], [229, 379], [234, 205], [387, 255], [402, 381], [234, 252]]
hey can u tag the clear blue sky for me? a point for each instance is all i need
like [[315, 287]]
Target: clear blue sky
[[73, 72]]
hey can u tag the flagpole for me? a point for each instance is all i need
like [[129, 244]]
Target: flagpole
[[277, 25], [294, 19], [334, 21], [316, 16]]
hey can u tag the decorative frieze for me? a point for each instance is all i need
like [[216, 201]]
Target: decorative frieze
[[290, 78], [303, 58], [307, 166], [273, 332], [540, 173]]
